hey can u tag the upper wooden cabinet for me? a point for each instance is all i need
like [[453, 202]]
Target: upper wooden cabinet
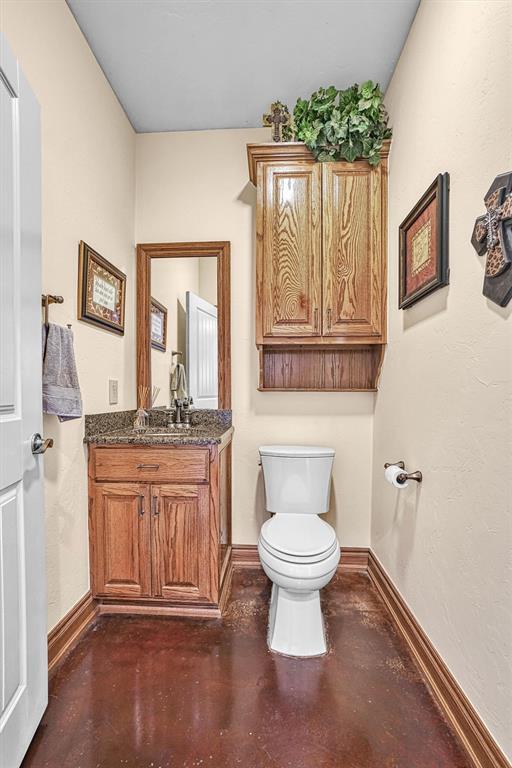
[[290, 259], [353, 264], [320, 269]]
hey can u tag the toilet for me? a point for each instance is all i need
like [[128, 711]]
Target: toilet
[[298, 550]]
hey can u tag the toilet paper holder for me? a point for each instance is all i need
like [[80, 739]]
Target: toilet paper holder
[[404, 476]]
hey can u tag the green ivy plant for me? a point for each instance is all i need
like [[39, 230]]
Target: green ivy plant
[[343, 125]]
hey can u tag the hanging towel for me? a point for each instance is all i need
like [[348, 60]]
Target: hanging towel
[[178, 383], [61, 390]]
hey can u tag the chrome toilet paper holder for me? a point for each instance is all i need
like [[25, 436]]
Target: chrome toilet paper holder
[[404, 476]]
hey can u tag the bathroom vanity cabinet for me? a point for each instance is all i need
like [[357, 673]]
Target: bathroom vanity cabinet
[[321, 253], [160, 527]]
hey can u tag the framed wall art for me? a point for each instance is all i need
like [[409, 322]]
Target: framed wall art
[[424, 245], [101, 291], [158, 325]]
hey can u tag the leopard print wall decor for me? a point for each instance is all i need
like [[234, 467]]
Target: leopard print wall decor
[[492, 237]]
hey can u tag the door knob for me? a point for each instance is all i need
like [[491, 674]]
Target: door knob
[[39, 445]]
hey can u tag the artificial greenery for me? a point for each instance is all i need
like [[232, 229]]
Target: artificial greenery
[[343, 125]]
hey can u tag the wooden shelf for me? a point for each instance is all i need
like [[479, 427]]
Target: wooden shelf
[[320, 369]]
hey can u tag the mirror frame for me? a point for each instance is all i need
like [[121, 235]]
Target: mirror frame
[[145, 253]]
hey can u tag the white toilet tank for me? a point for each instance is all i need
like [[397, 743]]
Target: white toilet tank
[[297, 478]]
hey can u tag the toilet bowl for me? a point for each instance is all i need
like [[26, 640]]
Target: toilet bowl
[[299, 552]]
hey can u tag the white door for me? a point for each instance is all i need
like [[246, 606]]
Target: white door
[[23, 659], [202, 352]]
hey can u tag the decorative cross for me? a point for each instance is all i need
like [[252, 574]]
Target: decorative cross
[[278, 118], [488, 233]]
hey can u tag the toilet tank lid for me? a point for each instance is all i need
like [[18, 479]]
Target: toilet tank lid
[[296, 451]]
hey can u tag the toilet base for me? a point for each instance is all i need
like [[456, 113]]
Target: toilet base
[[295, 623]]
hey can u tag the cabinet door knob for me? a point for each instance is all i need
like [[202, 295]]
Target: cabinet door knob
[[329, 318], [154, 506], [141, 506], [148, 466], [315, 316]]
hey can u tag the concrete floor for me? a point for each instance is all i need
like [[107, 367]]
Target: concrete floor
[[160, 693]]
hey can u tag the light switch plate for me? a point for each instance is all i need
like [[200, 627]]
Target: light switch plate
[[113, 391]]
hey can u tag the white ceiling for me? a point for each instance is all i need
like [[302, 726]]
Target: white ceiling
[[178, 66]]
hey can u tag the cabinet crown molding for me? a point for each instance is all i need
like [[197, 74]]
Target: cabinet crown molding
[[288, 152]]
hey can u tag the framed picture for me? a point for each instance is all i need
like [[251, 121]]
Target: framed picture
[[158, 325], [424, 245], [101, 291]]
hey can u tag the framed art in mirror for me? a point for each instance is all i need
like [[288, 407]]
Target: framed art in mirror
[[101, 291], [158, 325], [424, 245]]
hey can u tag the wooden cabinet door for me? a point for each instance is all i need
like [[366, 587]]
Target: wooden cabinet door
[[353, 268], [180, 542], [120, 540], [289, 251]]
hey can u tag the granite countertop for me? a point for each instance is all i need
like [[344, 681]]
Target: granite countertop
[[116, 428]]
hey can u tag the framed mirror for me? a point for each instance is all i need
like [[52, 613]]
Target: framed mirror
[[183, 324]]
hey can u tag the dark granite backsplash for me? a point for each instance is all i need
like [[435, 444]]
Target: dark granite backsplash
[[113, 421]]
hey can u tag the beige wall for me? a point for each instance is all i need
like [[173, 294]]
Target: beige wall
[[208, 279], [88, 194], [194, 186], [444, 403]]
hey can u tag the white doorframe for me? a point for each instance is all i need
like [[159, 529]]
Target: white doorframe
[[23, 649]]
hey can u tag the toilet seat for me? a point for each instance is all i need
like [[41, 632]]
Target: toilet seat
[[298, 538], [295, 573], [299, 560]]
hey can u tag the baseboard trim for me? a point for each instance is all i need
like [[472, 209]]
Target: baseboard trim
[[352, 558], [69, 629], [480, 746], [138, 609], [226, 583], [245, 556]]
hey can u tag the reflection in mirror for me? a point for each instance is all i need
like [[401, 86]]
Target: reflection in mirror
[[184, 348]]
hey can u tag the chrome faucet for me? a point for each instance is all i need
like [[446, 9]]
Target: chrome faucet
[[179, 415]]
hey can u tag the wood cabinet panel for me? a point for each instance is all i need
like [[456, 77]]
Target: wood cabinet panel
[[351, 369], [180, 542], [151, 464], [352, 250], [320, 284], [158, 546], [119, 529], [289, 252], [224, 504]]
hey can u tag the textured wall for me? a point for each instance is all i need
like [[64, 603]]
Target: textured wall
[[445, 401], [88, 194], [194, 186]]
